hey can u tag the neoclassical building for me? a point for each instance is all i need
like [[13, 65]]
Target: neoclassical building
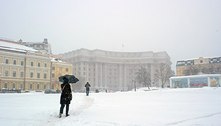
[[112, 71], [23, 68]]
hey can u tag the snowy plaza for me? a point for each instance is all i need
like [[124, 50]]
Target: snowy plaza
[[163, 107]]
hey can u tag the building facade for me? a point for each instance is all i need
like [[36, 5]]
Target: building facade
[[199, 66], [23, 68], [59, 68], [113, 71]]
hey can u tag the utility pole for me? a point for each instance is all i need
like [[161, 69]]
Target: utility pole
[[135, 87]]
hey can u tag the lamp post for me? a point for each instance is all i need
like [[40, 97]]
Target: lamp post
[[0, 81], [134, 84]]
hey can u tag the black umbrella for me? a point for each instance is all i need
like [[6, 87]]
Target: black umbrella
[[71, 78]]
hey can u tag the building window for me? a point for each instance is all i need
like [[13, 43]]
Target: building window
[[45, 76], [21, 86], [6, 61], [14, 73], [13, 86], [39, 64], [52, 75], [38, 75], [6, 73], [201, 61], [44, 86], [66, 69], [5, 86], [53, 68], [32, 64], [22, 63], [22, 74], [45, 65], [30, 86], [38, 86], [14, 62], [31, 74]]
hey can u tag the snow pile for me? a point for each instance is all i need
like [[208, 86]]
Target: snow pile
[[178, 107]]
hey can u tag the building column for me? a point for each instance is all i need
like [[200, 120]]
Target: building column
[[96, 75], [188, 82], [120, 77], [101, 75], [208, 79], [125, 78]]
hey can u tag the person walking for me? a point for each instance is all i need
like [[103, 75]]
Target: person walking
[[87, 85], [66, 96]]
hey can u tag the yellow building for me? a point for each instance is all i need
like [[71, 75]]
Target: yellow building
[[199, 66], [59, 68], [23, 68]]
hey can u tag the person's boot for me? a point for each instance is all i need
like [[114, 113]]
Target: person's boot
[[67, 115], [59, 115]]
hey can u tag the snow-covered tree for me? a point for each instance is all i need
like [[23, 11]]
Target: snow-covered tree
[[163, 73], [192, 70], [205, 69], [144, 77], [79, 86]]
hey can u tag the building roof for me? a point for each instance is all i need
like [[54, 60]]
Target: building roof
[[192, 76], [7, 45], [99, 52]]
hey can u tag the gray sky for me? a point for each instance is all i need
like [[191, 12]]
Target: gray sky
[[186, 29]]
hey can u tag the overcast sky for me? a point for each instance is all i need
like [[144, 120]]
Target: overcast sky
[[186, 29]]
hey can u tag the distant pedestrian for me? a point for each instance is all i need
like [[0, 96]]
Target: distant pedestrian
[[87, 86], [66, 96]]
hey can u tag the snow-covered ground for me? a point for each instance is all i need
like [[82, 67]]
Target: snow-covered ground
[[178, 107]]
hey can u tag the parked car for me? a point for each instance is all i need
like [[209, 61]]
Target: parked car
[[50, 91]]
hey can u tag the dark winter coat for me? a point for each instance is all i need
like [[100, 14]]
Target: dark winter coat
[[87, 85], [66, 95]]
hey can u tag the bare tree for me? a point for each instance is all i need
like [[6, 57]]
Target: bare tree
[[79, 86], [218, 69], [206, 69], [144, 77], [163, 73], [193, 70], [214, 68]]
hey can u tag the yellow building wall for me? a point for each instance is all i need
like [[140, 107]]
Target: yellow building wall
[[24, 82], [180, 70], [59, 69]]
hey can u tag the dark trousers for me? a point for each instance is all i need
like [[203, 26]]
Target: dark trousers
[[62, 108], [87, 92]]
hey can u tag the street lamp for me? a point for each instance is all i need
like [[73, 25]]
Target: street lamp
[[0, 81], [134, 84]]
